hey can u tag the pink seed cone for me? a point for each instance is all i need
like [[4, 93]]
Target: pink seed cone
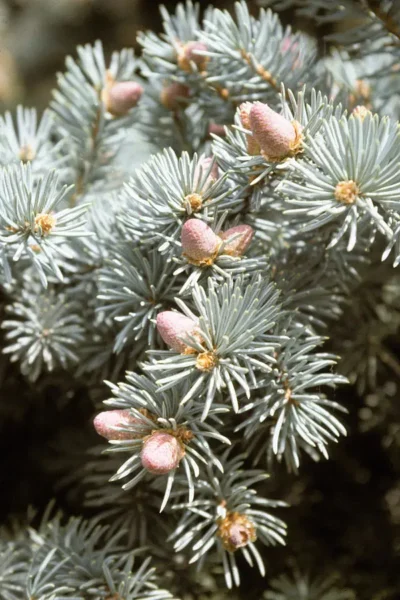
[[191, 48], [275, 134], [253, 146], [106, 421], [123, 96], [174, 325], [173, 95], [199, 242], [239, 245], [202, 167], [238, 535], [161, 453]]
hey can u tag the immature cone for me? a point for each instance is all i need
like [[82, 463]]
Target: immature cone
[[161, 453], [199, 242], [361, 112], [106, 421], [276, 136], [122, 96], [173, 95], [239, 535], [236, 531], [203, 165], [188, 54], [253, 146], [243, 234], [174, 325]]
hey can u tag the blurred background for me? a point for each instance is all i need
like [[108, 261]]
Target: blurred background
[[36, 35]]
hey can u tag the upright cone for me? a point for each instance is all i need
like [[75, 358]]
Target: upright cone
[[120, 97], [199, 243], [106, 422], [277, 137], [174, 325], [242, 236], [161, 453]]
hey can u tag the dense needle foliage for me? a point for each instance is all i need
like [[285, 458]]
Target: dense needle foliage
[[209, 309]]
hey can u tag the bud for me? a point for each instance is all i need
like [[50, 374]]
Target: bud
[[106, 421], [26, 153], [276, 136], [202, 167], [236, 531], [121, 96], [173, 95], [361, 94], [45, 223], [199, 242], [238, 535], [187, 54], [253, 147], [161, 453], [361, 112], [174, 325], [238, 246]]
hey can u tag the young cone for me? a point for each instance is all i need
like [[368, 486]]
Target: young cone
[[188, 55], [199, 243], [277, 137], [239, 536], [106, 422], [174, 325], [120, 97], [161, 453], [242, 236], [236, 531], [253, 146]]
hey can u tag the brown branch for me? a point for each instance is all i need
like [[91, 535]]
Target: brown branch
[[260, 70]]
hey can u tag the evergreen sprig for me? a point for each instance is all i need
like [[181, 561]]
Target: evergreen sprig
[[107, 275], [226, 503]]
